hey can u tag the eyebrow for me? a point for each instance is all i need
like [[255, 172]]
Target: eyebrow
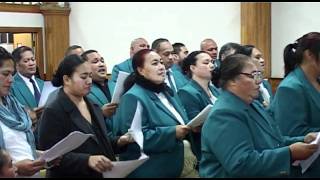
[[85, 73]]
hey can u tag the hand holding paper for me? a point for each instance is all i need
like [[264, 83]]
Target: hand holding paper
[[109, 109], [125, 139], [201, 117], [122, 169], [100, 163], [305, 164]]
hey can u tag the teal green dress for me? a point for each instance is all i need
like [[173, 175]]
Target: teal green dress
[[194, 100], [296, 108], [296, 105], [240, 140], [99, 98], [125, 66], [20, 90], [166, 152], [179, 79]]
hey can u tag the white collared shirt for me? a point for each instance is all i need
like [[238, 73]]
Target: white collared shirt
[[212, 98], [265, 94], [172, 80], [16, 144], [170, 107], [28, 83]]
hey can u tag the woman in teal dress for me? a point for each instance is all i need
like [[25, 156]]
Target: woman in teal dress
[[199, 92], [162, 121], [296, 105], [239, 138]]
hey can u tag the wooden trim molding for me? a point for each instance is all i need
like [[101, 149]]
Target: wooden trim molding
[[23, 8], [38, 43], [55, 10], [48, 7], [275, 83], [20, 29], [256, 29], [65, 12]]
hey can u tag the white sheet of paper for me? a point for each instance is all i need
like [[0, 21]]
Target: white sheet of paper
[[47, 89], [305, 164], [119, 88], [135, 130], [67, 144], [122, 169], [201, 117]]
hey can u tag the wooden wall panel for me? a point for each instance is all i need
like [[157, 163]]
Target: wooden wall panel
[[24, 8], [275, 83], [56, 38], [256, 29]]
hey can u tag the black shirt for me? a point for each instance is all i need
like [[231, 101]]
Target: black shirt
[[104, 89], [104, 142]]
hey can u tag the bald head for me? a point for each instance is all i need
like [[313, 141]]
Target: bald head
[[137, 45], [209, 46]]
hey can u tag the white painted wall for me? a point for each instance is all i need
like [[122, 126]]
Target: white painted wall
[[21, 19], [290, 20], [110, 27]]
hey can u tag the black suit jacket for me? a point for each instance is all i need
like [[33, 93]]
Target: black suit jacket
[[62, 117]]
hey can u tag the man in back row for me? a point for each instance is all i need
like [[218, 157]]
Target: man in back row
[[174, 79], [99, 92], [180, 53], [126, 66]]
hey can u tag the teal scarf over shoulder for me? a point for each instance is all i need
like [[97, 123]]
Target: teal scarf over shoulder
[[13, 115]]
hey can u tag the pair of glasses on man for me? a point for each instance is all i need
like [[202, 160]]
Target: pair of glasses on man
[[256, 75]]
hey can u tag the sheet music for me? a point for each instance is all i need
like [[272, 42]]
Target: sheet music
[[47, 89], [135, 130], [67, 144], [305, 164], [122, 169], [119, 87], [201, 117]]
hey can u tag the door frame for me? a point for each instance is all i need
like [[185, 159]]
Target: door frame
[[38, 43]]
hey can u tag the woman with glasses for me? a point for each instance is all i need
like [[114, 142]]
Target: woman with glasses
[[265, 95], [239, 139], [199, 92]]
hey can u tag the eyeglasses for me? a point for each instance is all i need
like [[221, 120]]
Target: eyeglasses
[[256, 75]]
